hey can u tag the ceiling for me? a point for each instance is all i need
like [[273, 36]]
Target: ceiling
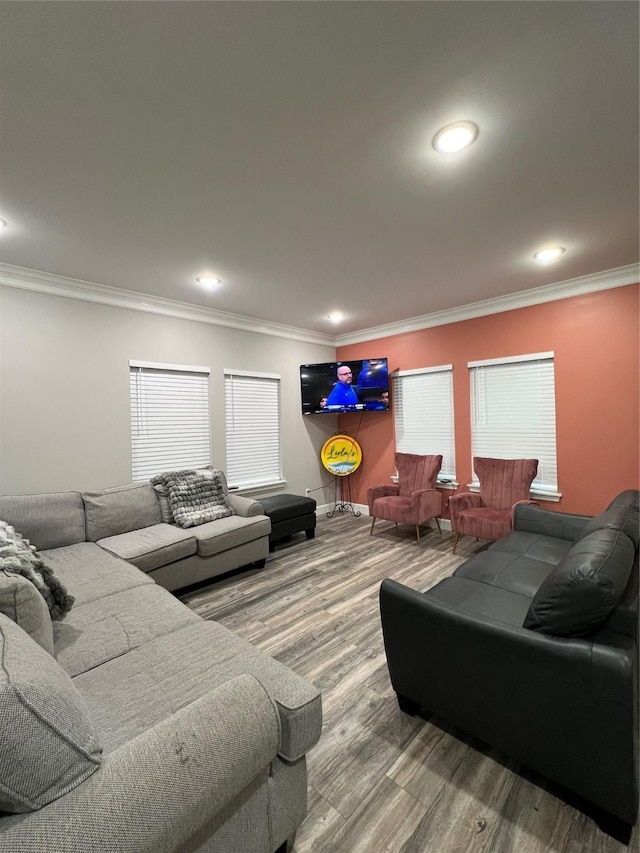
[[286, 148]]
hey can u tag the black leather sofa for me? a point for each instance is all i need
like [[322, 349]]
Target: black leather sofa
[[532, 647]]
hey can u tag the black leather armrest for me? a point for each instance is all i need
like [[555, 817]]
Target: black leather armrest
[[560, 525]]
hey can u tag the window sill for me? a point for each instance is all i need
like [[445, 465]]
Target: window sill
[[440, 484], [261, 488], [535, 494]]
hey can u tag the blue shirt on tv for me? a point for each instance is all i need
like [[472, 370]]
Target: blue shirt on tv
[[342, 394]]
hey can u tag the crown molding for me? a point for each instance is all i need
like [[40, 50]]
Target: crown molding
[[57, 285], [42, 282], [607, 280]]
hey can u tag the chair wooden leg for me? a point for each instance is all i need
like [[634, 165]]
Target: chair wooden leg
[[438, 523], [455, 542], [373, 521], [418, 532]]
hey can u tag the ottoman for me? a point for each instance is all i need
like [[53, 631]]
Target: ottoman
[[289, 514]]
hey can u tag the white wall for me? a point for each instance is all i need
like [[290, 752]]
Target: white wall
[[64, 390]]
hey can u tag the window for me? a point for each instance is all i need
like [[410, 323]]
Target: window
[[169, 418], [513, 413], [252, 403], [423, 410]]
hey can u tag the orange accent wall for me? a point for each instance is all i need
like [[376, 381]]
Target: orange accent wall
[[595, 339]]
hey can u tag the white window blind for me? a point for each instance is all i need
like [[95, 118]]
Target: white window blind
[[169, 418], [513, 413], [423, 410], [252, 403]]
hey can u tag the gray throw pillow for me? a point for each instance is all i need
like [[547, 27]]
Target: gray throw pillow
[[580, 594], [48, 743]]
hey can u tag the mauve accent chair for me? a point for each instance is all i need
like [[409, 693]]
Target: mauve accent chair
[[489, 515], [414, 499]]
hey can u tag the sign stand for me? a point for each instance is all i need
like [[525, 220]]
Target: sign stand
[[341, 455], [342, 505]]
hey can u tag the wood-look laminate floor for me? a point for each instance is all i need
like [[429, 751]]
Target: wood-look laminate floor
[[380, 780]]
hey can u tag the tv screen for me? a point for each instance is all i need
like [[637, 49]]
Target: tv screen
[[345, 386]]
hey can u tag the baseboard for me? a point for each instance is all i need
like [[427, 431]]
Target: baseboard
[[363, 509]]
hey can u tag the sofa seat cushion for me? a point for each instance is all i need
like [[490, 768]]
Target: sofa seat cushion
[[151, 547], [89, 572], [129, 694], [512, 572], [481, 600], [48, 744], [120, 509], [580, 593], [108, 627], [547, 549], [213, 537], [21, 602]]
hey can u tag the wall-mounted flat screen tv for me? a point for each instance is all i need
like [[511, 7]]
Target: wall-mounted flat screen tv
[[345, 386]]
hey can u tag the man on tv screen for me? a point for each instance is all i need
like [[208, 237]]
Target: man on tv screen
[[343, 393]]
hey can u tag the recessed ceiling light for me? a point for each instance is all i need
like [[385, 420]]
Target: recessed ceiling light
[[336, 316], [549, 254], [208, 281], [455, 137]]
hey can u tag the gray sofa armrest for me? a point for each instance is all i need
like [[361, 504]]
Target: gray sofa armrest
[[245, 507], [560, 525], [153, 793]]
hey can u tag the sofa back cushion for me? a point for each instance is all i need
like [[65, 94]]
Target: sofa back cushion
[[630, 497], [47, 521], [121, 509], [48, 744], [579, 595], [24, 605], [624, 518]]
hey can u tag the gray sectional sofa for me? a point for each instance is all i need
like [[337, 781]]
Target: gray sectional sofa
[[134, 725]]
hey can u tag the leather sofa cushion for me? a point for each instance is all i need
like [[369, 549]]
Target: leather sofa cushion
[[505, 570], [537, 546], [581, 592], [481, 600], [624, 518], [630, 497]]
